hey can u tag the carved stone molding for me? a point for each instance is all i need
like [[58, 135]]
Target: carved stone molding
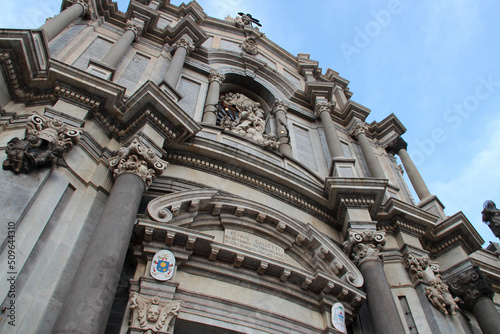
[[250, 46], [184, 42], [135, 27], [216, 76], [322, 107], [139, 160], [416, 266], [359, 127], [44, 143], [152, 314], [364, 245], [471, 285]]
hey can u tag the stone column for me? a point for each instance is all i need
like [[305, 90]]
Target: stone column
[[332, 139], [475, 289], [365, 248], [182, 47], [399, 147], [58, 23], [282, 134], [359, 132], [87, 306], [120, 48], [215, 79]]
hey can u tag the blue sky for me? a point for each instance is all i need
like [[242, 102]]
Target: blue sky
[[434, 64]]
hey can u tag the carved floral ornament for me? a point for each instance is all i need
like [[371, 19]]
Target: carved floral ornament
[[323, 107], [184, 42], [43, 145], [250, 122], [364, 245], [152, 314], [137, 159], [359, 127], [216, 76]]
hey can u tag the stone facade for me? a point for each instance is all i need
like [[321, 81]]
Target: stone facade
[[163, 129]]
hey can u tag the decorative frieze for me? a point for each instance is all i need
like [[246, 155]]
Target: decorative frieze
[[364, 245], [152, 314], [139, 160], [44, 143]]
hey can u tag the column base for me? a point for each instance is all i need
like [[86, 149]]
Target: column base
[[342, 167], [433, 205], [170, 91]]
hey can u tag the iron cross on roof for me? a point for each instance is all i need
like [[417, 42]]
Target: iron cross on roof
[[250, 19]]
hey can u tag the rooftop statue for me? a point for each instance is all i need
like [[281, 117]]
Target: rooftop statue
[[491, 216]]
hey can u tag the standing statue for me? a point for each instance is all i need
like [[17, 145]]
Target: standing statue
[[491, 216]]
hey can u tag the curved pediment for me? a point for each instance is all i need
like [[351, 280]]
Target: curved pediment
[[228, 228]]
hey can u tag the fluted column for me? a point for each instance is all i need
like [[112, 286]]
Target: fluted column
[[365, 248], [58, 23], [87, 305], [132, 32], [215, 79], [182, 47], [332, 139], [282, 134], [399, 146], [359, 132], [475, 289]]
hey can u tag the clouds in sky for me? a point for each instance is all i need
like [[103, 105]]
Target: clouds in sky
[[419, 63]]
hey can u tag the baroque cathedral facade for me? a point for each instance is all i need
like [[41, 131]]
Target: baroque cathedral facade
[[168, 172]]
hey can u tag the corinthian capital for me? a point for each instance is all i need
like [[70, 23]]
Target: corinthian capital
[[216, 76], [396, 145], [359, 127], [87, 9], [322, 107], [137, 159], [135, 27], [364, 245], [184, 42], [279, 106], [470, 285]]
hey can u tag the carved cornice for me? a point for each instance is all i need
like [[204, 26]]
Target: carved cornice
[[216, 76], [139, 160], [184, 42], [471, 285], [364, 246]]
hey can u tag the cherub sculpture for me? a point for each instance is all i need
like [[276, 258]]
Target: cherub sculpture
[[151, 314]]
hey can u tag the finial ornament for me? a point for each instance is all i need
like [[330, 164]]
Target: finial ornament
[[137, 159]]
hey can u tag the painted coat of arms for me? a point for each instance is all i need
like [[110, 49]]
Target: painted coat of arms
[[162, 268]]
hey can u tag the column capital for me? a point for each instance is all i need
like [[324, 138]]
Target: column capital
[[359, 127], [139, 160], [87, 8], [279, 106], [396, 145], [322, 107], [471, 285], [184, 42], [364, 245], [216, 76], [135, 27]]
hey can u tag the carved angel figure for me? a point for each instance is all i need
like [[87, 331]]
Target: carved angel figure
[[152, 314], [441, 298]]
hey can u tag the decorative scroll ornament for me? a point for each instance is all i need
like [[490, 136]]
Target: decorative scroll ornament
[[152, 315], [359, 127], [139, 160], [440, 296], [163, 265], [416, 266], [471, 285], [365, 245], [43, 145], [184, 42], [216, 76], [250, 46], [250, 122]]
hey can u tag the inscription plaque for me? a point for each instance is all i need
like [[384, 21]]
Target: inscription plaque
[[254, 244]]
